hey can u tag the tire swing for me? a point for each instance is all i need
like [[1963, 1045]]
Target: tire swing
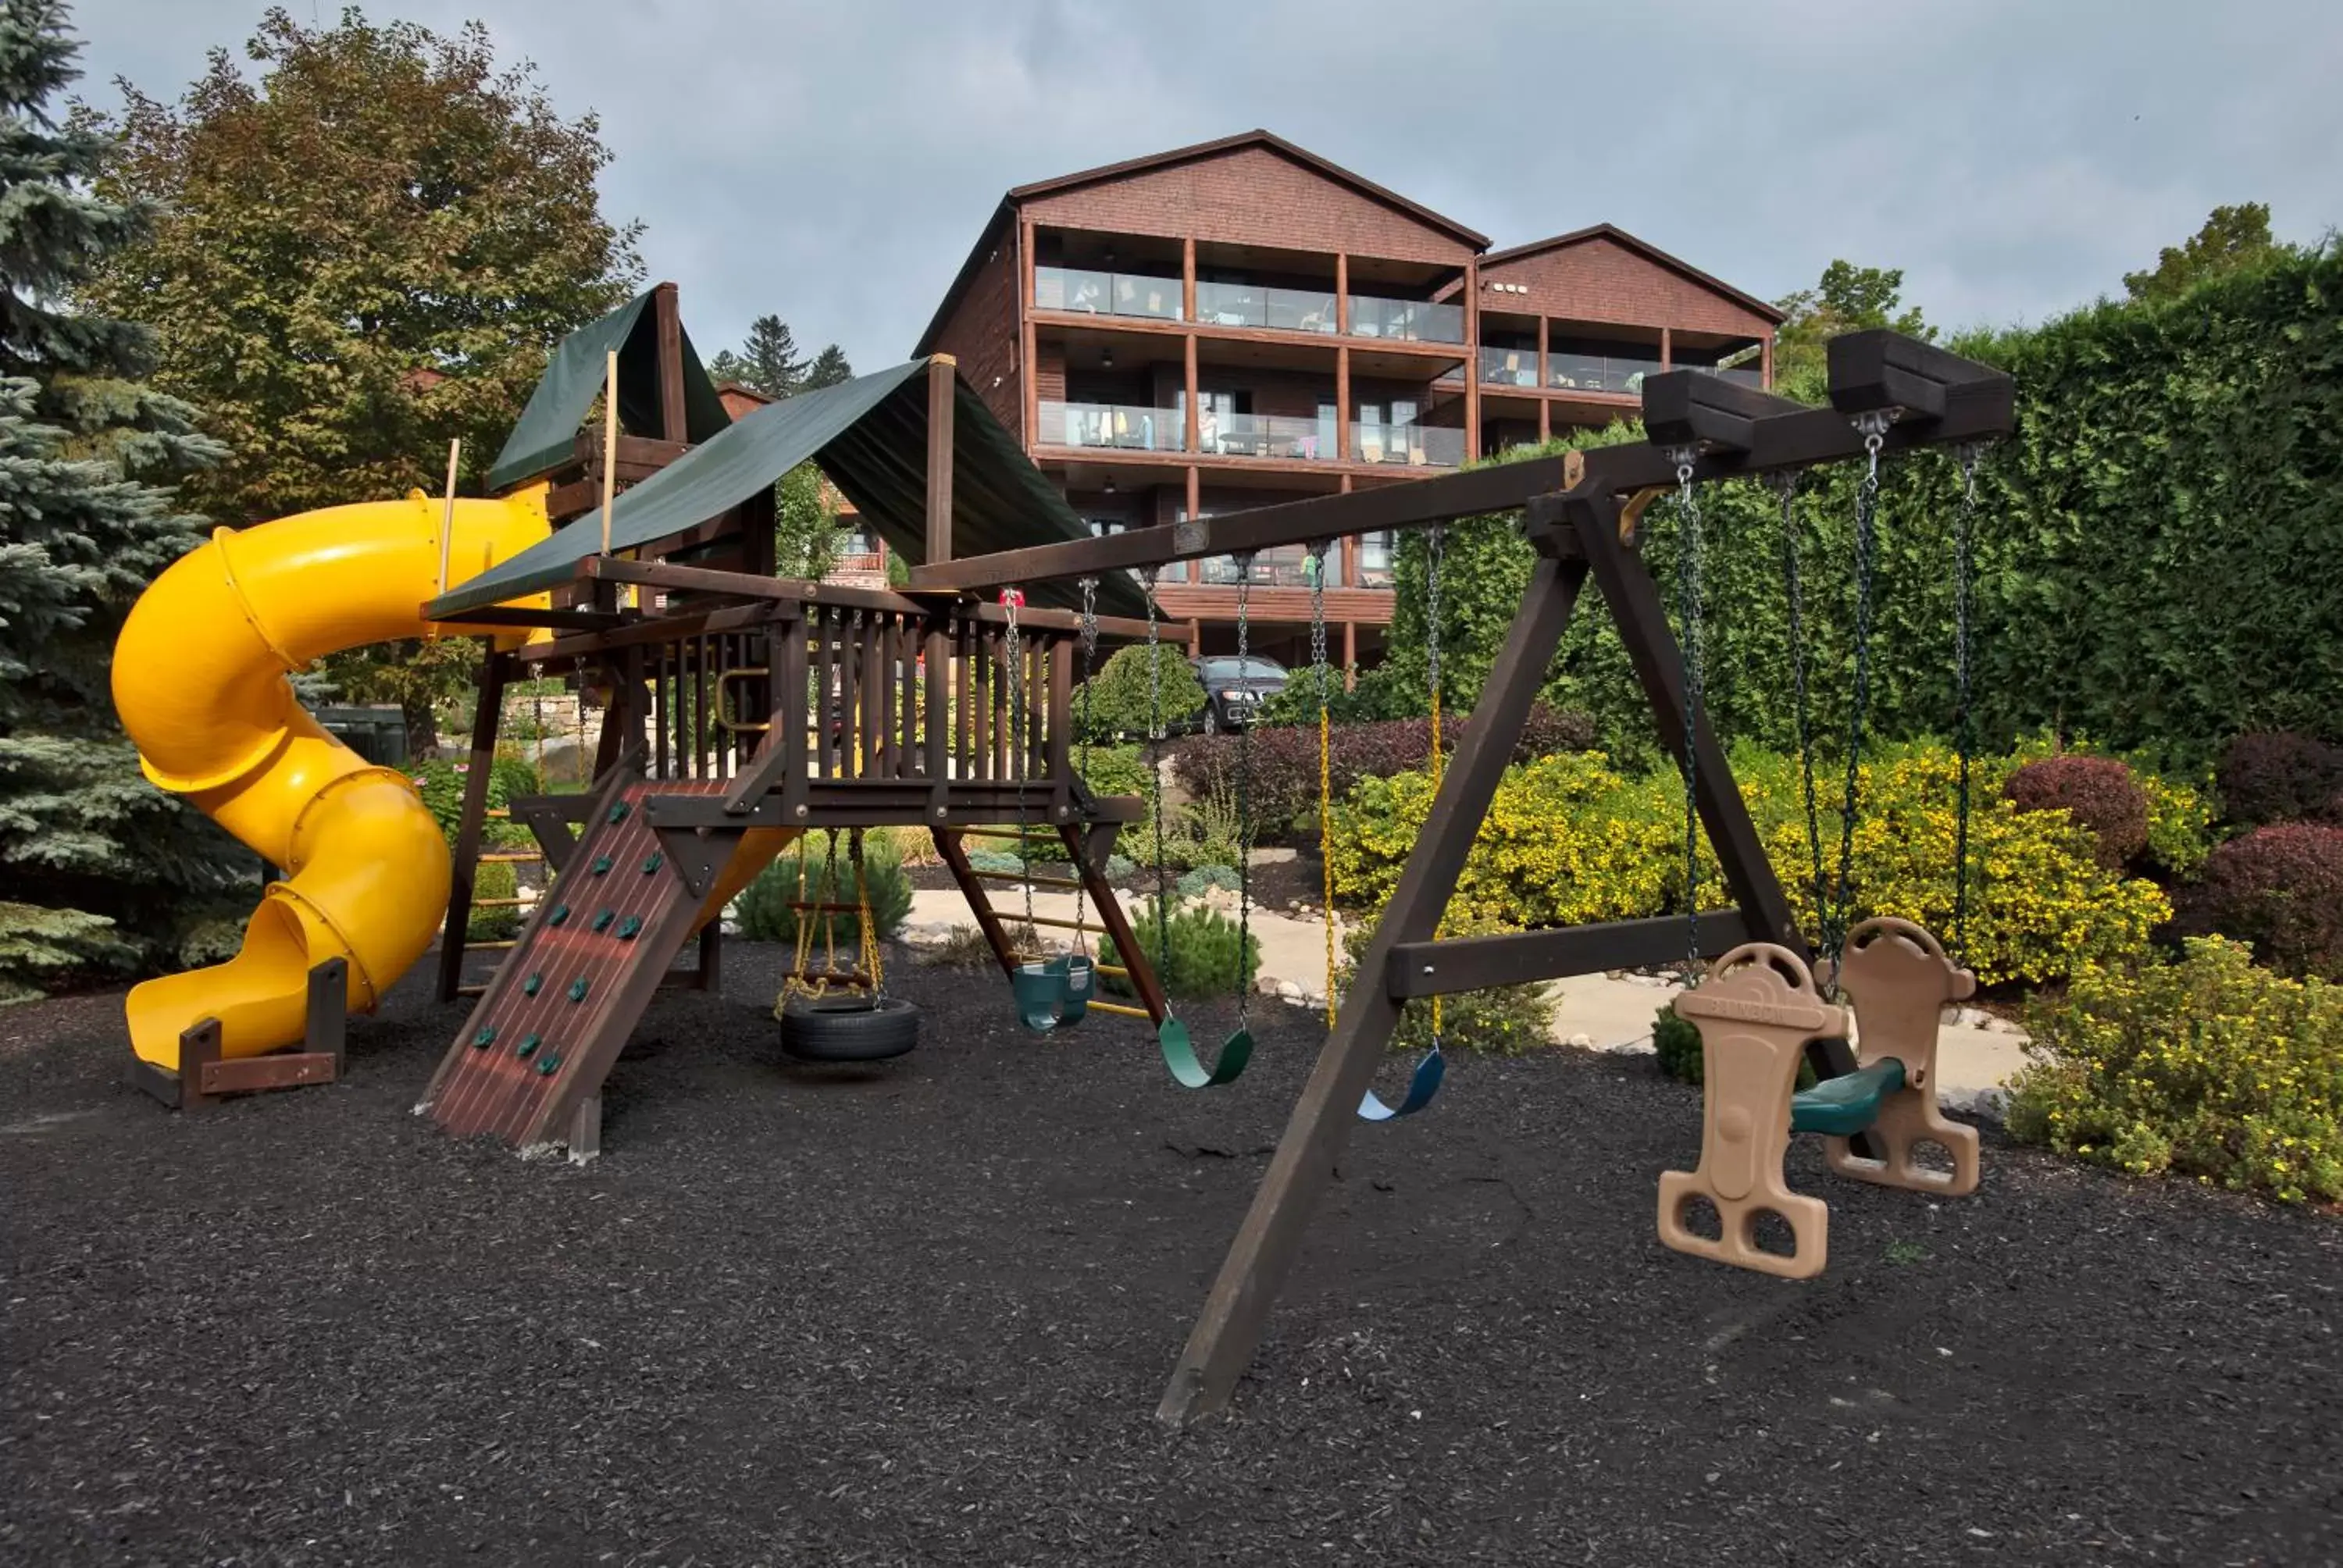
[[841, 1015]]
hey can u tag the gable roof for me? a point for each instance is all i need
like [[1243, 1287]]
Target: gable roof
[[1642, 247], [870, 436], [1018, 195], [545, 434]]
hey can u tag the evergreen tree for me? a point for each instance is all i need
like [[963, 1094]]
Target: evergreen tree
[[829, 368], [98, 869], [771, 355]]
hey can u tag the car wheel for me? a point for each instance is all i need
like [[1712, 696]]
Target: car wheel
[[1211, 719]]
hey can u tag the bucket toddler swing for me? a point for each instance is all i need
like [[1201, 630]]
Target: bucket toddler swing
[[1762, 1005]]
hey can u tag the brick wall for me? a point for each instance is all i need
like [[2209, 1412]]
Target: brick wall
[[1599, 279], [1251, 195], [982, 335]]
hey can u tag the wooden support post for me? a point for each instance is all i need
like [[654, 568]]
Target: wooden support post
[[485, 717], [1342, 294], [943, 376], [1188, 302], [1029, 349], [979, 904], [1667, 350], [1472, 360], [1546, 380], [673, 423], [327, 1026], [1188, 437], [1090, 851], [1342, 402], [1229, 1327], [1350, 656]]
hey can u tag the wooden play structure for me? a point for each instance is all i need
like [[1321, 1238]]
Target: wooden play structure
[[744, 710]]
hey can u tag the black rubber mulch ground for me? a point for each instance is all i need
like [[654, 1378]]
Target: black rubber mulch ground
[[923, 1315]]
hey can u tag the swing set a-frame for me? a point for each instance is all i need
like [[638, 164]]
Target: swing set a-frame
[[1581, 510]]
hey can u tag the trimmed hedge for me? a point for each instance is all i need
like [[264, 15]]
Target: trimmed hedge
[[1569, 841], [2099, 792], [2280, 888], [2280, 776]]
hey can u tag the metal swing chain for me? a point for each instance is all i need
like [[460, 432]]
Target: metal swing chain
[[1788, 484], [1090, 661], [1325, 754], [1021, 765], [1867, 530], [1155, 772], [1695, 684], [1963, 718], [1244, 792]]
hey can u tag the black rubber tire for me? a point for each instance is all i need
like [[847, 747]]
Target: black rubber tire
[[848, 1027]]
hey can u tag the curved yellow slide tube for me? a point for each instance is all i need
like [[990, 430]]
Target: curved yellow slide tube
[[200, 684]]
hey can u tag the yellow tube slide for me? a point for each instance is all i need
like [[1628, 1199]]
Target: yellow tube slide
[[199, 682]]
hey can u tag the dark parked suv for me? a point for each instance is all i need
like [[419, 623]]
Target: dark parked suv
[[1235, 688]]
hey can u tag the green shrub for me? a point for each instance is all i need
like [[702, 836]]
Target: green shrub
[[1675, 1039], [1117, 771], [2179, 826], [499, 923], [997, 861], [763, 909], [1204, 956], [1119, 695], [1503, 1020], [2209, 1067], [1568, 841], [1206, 831], [1194, 883], [1121, 868], [441, 784]]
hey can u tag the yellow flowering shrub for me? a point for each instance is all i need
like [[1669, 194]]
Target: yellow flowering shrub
[[2209, 1067], [1569, 841]]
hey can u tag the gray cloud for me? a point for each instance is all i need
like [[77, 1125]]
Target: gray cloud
[[834, 162]]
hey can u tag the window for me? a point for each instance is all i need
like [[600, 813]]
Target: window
[[1375, 559]]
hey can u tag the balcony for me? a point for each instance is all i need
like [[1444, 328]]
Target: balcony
[[1407, 320], [1090, 293], [1739, 375], [1117, 425], [1621, 373], [1264, 436], [1509, 367], [1252, 305], [1408, 446]]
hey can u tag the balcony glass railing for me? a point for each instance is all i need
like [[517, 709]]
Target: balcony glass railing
[[1283, 566], [1409, 320], [1509, 366], [1739, 375], [1254, 304], [1264, 436], [1600, 372], [1409, 445], [1120, 425], [1106, 293]]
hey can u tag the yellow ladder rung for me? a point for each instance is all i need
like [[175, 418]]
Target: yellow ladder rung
[[498, 814], [1021, 877], [1001, 833], [1111, 970], [1116, 1007], [471, 947], [514, 856], [500, 903]]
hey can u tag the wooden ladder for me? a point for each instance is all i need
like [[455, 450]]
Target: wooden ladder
[[1087, 852]]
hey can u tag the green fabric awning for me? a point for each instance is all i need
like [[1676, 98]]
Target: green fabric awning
[[547, 431], [869, 435]]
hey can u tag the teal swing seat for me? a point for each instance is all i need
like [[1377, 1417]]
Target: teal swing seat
[[1847, 1104]]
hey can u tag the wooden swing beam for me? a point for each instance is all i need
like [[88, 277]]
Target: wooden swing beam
[[1579, 511]]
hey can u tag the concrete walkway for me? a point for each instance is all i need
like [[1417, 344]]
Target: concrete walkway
[[1597, 1013]]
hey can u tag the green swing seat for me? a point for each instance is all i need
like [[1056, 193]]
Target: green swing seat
[[1848, 1104]]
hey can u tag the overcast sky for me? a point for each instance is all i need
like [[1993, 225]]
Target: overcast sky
[[834, 161]]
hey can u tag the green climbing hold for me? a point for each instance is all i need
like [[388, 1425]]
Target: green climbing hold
[[532, 985], [578, 989], [548, 1064], [528, 1046], [560, 914], [619, 812], [486, 1038], [628, 927], [602, 922], [601, 864], [1844, 1106], [653, 863]]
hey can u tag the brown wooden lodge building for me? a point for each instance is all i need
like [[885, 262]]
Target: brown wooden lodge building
[[1241, 322]]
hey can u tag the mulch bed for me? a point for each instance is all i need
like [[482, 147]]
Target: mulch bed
[[923, 1313]]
